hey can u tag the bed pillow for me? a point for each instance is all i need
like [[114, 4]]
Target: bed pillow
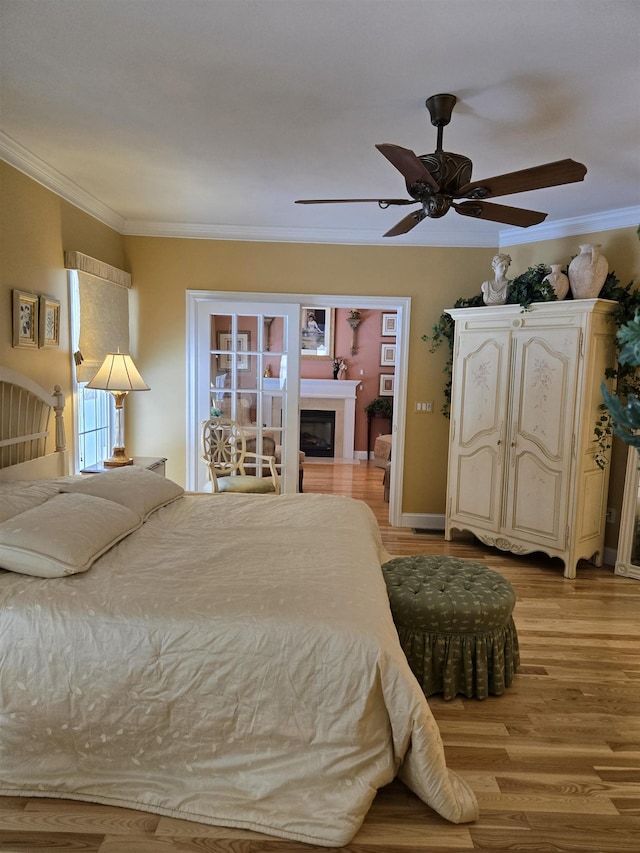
[[64, 535], [24, 496], [136, 488]]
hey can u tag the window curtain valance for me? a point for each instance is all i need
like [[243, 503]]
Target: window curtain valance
[[101, 297]]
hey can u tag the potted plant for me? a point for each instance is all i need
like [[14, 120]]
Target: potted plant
[[380, 407]]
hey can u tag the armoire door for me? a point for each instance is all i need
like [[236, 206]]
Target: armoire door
[[541, 433], [479, 414]]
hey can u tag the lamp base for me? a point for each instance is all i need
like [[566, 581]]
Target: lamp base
[[118, 459]]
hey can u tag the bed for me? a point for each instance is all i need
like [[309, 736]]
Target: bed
[[229, 659]]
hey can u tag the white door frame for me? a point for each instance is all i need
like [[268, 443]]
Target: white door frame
[[401, 305]]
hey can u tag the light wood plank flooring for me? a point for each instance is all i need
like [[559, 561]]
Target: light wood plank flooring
[[555, 761]]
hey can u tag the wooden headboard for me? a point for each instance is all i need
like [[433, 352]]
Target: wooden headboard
[[25, 414]]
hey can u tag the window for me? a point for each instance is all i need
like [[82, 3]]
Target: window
[[94, 419], [99, 300]]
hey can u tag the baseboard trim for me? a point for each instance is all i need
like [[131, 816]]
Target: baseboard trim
[[424, 521]]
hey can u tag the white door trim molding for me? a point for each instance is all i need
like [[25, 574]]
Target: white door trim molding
[[401, 305]]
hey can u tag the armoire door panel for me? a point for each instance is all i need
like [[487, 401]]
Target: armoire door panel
[[482, 384], [536, 501], [481, 505], [544, 390], [477, 454]]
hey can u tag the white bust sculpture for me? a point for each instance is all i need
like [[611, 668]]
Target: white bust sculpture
[[495, 292]]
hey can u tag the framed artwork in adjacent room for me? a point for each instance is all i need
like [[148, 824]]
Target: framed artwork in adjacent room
[[49, 322], [241, 349], [387, 355], [389, 325], [387, 384], [317, 332], [25, 319]]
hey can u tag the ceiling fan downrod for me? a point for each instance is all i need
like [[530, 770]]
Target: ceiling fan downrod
[[440, 108]]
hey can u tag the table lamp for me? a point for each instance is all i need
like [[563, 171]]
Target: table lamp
[[118, 375]]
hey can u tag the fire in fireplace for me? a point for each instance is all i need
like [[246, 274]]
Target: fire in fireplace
[[317, 432]]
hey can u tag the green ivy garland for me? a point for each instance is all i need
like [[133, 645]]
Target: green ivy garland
[[531, 287]]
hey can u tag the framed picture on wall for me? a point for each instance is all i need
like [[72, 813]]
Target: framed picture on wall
[[317, 332], [389, 325], [387, 355], [242, 347], [49, 322], [25, 319], [387, 384]]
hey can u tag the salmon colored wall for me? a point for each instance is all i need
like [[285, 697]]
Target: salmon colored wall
[[364, 365]]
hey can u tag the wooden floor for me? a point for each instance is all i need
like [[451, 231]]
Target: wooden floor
[[555, 761]]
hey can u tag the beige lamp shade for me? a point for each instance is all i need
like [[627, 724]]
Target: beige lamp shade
[[119, 375]]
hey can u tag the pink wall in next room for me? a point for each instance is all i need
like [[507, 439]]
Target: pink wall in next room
[[367, 359]]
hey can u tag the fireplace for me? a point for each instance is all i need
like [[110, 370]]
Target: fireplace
[[317, 432]]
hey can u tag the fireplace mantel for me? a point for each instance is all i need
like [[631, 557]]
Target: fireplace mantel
[[337, 395]]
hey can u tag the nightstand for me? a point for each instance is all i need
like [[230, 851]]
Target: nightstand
[[151, 463]]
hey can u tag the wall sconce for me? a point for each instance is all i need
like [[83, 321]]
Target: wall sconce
[[354, 319], [267, 332]]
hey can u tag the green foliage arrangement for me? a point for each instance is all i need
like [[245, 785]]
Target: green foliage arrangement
[[380, 406], [523, 290], [620, 412], [625, 412]]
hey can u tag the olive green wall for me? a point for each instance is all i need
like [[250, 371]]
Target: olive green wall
[[163, 269], [36, 226], [621, 248]]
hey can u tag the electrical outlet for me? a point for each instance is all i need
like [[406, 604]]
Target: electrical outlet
[[611, 515]]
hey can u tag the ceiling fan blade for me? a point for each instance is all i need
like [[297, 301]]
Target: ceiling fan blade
[[407, 162], [407, 223], [535, 178], [500, 213], [383, 202]]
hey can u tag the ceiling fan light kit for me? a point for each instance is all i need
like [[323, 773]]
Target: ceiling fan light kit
[[439, 181]]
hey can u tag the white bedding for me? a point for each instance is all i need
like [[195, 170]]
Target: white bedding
[[233, 661]]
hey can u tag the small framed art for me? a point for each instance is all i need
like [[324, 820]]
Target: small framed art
[[49, 322], [243, 344], [317, 332], [25, 319], [387, 355], [389, 322], [387, 384]]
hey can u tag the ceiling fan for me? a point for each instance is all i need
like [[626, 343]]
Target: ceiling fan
[[440, 180]]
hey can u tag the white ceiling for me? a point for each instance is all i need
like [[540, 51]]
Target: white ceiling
[[210, 117]]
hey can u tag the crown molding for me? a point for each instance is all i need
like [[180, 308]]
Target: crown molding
[[26, 162], [451, 238], [32, 166], [609, 220]]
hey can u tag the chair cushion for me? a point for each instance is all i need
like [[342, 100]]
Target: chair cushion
[[246, 485]]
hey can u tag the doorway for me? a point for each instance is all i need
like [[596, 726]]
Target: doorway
[[201, 305]]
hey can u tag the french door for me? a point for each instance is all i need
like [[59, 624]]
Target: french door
[[244, 361]]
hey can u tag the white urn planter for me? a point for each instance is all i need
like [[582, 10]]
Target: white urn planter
[[558, 281], [587, 272]]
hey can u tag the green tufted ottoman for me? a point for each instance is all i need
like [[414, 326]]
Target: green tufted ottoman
[[454, 620]]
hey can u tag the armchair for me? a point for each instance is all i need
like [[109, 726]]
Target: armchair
[[224, 452]]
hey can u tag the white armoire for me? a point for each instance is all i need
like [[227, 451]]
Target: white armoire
[[526, 388]]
